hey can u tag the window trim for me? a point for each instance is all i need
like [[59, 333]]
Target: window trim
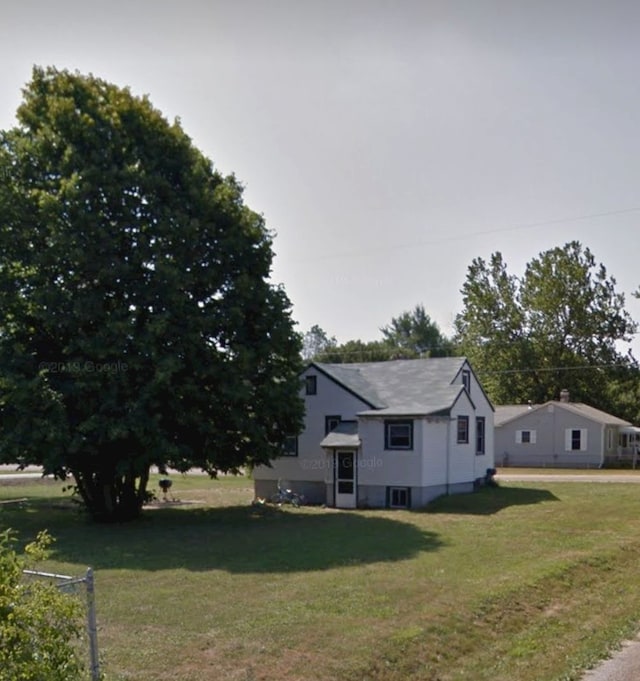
[[531, 435], [462, 438], [391, 423], [569, 440]]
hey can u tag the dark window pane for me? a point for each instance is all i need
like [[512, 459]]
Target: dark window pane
[[311, 385], [345, 466]]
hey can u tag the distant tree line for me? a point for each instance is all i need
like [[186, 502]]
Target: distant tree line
[[562, 324]]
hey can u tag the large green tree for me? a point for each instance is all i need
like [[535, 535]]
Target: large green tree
[[559, 326], [138, 324]]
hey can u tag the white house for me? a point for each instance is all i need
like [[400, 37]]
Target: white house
[[387, 434], [561, 433]]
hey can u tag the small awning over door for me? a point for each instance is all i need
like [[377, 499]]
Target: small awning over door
[[344, 435]]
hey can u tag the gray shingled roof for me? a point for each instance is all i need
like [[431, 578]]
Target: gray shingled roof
[[506, 413], [401, 387], [593, 413]]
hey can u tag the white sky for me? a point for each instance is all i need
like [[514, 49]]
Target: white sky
[[386, 142]]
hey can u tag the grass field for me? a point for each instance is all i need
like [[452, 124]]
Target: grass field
[[528, 581]]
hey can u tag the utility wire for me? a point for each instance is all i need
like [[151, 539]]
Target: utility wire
[[469, 235]]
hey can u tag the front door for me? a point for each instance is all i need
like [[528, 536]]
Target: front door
[[345, 481]]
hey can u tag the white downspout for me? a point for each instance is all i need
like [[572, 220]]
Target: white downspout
[[448, 474]]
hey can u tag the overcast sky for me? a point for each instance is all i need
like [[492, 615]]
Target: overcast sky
[[386, 142]]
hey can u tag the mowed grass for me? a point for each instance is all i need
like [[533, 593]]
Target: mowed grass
[[530, 581]]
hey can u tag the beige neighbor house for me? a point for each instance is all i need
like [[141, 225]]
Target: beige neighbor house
[[391, 434], [561, 434]]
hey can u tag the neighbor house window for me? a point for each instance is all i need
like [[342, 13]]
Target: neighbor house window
[[399, 497], [466, 379], [330, 423], [525, 437], [463, 430], [290, 446], [480, 435], [310, 385], [575, 439], [398, 434]]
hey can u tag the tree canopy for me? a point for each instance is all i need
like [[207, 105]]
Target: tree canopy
[[417, 333], [559, 326], [411, 335], [316, 343], [138, 324]]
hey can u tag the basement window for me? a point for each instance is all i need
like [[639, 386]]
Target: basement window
[[399, 497]]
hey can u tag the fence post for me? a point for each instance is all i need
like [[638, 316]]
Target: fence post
[[92, 626]]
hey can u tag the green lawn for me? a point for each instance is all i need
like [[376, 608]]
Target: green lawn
[[528, 581]]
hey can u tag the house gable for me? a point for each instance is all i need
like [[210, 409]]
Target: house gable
[[474, 383]]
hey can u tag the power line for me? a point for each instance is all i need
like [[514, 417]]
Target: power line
[[586, 367], [468, 235]]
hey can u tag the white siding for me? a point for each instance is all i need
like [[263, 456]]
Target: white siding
[[312, 463], [436, 464], [553, 426], [395, 467]]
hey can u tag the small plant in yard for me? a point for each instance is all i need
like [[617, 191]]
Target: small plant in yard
[[39, 626]]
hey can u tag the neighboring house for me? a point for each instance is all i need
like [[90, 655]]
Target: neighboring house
[[387, 434], [560, 433]]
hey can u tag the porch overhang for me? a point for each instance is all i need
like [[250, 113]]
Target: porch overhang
[[343, 436]]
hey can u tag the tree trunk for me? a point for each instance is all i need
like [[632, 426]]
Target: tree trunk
[[110, 496]]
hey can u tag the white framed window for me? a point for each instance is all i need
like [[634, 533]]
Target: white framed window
[[575, 439], [462, 430], [398, 434], [525, 437], [466, 379]]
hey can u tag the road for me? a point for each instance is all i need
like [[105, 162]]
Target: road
[[624, 665], [604, 476]]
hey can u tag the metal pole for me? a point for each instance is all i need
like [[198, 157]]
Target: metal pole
[[92, 626]]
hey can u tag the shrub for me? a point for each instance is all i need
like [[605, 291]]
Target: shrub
[[39, 626]]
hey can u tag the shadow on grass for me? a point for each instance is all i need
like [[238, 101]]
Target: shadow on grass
[[237, 539], [490, 500]]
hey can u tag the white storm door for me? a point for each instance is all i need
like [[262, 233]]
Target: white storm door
[[345, 471]]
